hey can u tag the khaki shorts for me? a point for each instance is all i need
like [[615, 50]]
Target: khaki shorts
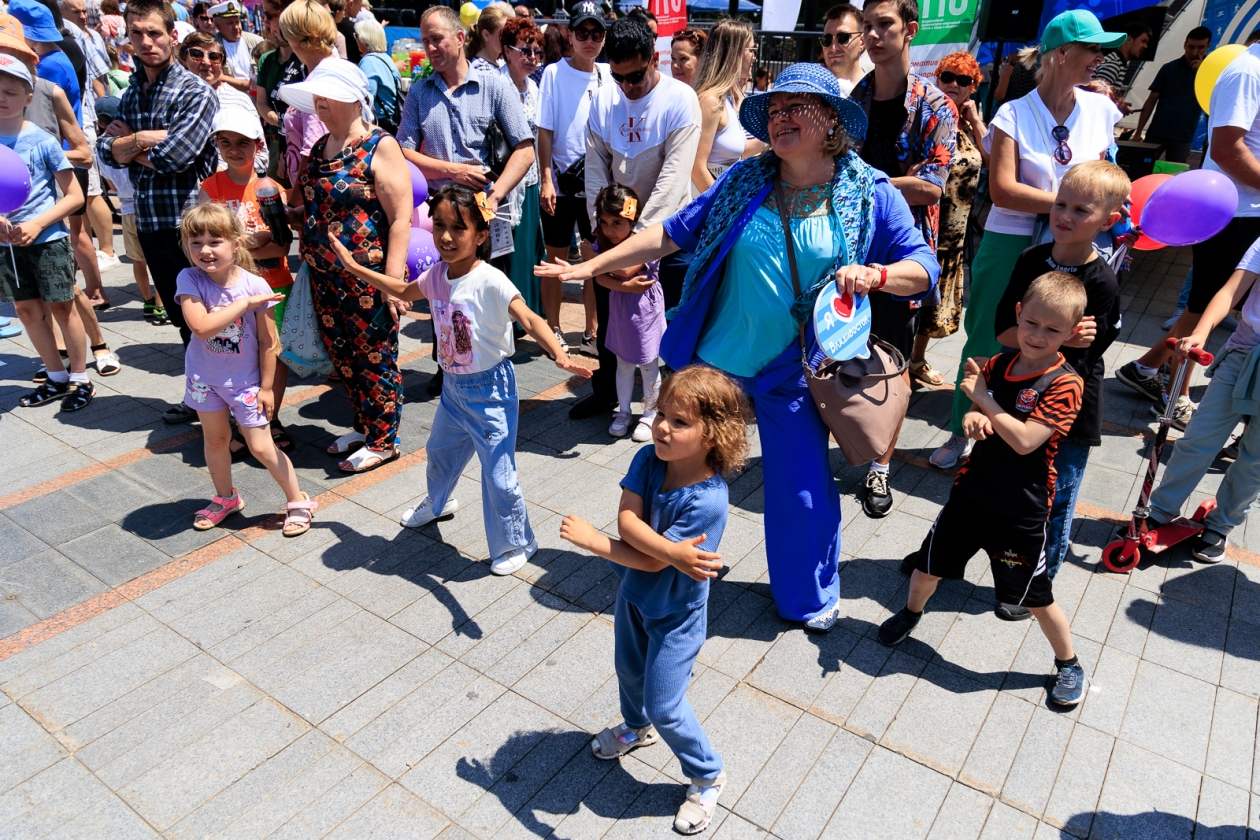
[[131, 242]]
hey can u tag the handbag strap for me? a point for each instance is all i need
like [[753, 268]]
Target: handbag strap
[[791, 254]]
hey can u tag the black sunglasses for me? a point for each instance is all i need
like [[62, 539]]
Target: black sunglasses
[[1062, 152], [528, 52], [198, 53], [631, 79], [947, 77], [589, 33], [841, 39]]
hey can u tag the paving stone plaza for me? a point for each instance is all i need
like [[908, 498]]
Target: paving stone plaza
[[369, 681]]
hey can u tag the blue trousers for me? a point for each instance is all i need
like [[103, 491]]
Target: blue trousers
[[654, 658], [1207, 433], [478, 414], [801, 499], [1069, 463]]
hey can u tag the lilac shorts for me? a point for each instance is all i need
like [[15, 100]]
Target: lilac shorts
[[243, 402]]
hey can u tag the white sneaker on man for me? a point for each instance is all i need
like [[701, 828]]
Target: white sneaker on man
[[514, 560], [422, 514], [104, 262]]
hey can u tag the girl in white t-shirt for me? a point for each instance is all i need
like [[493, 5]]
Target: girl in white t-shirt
[[1032, 142], [473, 306]]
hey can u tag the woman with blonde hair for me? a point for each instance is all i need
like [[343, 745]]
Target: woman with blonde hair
[[312, 36], [484, 49], [725, 68]]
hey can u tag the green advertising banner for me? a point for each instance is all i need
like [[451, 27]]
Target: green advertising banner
[[945, 26]]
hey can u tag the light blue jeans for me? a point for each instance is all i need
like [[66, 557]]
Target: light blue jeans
[[654, 658], [1069, 463], [478, 414], [1207, 433]]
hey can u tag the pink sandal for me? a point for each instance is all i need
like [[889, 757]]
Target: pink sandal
[[300, 516], [205, 519]]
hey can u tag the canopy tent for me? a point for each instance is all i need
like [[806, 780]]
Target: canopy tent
[[720, 6]]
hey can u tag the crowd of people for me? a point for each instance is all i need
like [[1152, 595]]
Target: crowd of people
[[703, 212]]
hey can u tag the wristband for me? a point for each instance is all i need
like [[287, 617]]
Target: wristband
[[883, 277]]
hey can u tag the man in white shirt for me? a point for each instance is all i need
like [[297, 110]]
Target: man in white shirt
[[843, 45], [1234, 150], [643, 134], [237, 44], [357, 12]]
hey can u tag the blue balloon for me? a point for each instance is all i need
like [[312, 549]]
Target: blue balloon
[[422, 254], [419, 186], [15, 181]]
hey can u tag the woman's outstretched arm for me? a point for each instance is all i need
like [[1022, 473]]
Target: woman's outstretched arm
[[645, 246]]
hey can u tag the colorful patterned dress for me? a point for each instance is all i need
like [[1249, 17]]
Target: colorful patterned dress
[[360, 333]]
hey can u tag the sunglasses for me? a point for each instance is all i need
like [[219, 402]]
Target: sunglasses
[[1062, 152], [529, 52], [203, 17], [631, 79], [199, 54], [589, 33], [947, 77], [841, 39]]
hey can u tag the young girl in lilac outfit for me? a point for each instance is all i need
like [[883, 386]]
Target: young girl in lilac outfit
[[636, 312]]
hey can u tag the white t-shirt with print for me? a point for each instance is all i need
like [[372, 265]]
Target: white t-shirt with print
[[564, 105], [1248, 333], [632, 126], [1236, 103], [1091, 132], [470, 316]]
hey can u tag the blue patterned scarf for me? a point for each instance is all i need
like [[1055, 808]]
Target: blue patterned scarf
[[852, 203]]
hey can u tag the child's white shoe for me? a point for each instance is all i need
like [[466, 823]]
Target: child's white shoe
[[514, 560], [422, 514], [620, 425], [697, 810], [643, 431]]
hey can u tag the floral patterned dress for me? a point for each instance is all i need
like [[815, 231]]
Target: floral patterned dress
[[360, 333], [960, 192]]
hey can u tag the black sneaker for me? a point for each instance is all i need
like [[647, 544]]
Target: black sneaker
[[1151, 387], [1209, 547], [877, 500], [1069, 686], [179, 413], [591, 406], [898, 626], [1012, 612]]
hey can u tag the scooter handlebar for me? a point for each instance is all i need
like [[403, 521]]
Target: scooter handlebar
[[1196, 355]]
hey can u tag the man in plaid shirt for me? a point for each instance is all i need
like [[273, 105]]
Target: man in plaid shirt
[[163, 133]]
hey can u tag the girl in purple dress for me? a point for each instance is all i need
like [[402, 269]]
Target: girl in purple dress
[[636, 312]]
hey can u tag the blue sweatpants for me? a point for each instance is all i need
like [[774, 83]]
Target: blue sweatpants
[[802, 501], [654, 658], [478, 414]]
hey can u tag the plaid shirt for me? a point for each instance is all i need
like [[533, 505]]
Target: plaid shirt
[[184, 106], [929, 134]]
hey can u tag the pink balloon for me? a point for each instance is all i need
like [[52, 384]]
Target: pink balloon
[[422, 254], [421, 218]]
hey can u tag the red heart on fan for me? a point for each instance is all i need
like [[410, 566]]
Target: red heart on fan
[[844, 305]]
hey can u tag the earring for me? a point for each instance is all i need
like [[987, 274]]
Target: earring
[[831, 132]]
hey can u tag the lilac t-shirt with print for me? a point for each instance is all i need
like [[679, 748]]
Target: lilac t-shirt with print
[[229, 359]]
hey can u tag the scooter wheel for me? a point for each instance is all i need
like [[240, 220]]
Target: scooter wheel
[[1121, 556]]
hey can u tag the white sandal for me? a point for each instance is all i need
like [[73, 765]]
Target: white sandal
[[347, 443], [365, 460], [618, 740], [697, 811]]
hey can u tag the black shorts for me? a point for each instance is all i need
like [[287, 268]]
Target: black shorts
[[894, 321], [1216, 259], [1017, 551], [81, 175], [558, 229]]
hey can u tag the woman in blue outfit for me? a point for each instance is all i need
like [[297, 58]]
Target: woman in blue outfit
[[739, 312]]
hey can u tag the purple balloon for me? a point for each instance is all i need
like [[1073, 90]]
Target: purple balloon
[[419, 186], [1190, 208], [422, 254], [15, 181]]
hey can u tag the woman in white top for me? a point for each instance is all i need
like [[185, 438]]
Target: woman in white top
[[725, 68], [1032, 142]]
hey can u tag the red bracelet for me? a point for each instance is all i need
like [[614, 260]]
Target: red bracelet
[[883, 277]]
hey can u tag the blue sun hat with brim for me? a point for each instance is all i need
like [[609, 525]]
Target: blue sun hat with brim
[[37, 22], [813, 79]]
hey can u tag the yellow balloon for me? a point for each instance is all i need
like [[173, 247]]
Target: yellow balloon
[[1210, 70], [468, 15]]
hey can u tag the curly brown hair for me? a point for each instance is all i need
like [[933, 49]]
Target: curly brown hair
[[720, 406], [518, 32]]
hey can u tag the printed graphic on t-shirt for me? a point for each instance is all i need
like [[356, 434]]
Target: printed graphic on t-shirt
[[634, 128], [1026, 400], [455, 328], [228, 341]]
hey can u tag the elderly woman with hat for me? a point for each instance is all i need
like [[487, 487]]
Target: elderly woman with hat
[[1031, 143], [740, 312], [356, 187], [202, 55]]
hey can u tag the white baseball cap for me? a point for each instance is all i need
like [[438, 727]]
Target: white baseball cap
[[13, 67], [239, 121], [333, 78]]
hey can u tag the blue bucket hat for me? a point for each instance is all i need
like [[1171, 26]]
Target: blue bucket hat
[[803, 78], [37, 21]]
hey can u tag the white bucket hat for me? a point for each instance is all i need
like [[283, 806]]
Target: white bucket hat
[[236, 119], [335, 79]]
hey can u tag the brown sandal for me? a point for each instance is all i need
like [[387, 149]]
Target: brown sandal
[[925, 373]]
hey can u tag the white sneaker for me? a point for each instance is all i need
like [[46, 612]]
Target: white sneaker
[[643, 431], [948, 454], [422, 514], [620, 425], [588, 345], [514, 561], [564, 345], [824, 621], [1181, 414], [105, 262]]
